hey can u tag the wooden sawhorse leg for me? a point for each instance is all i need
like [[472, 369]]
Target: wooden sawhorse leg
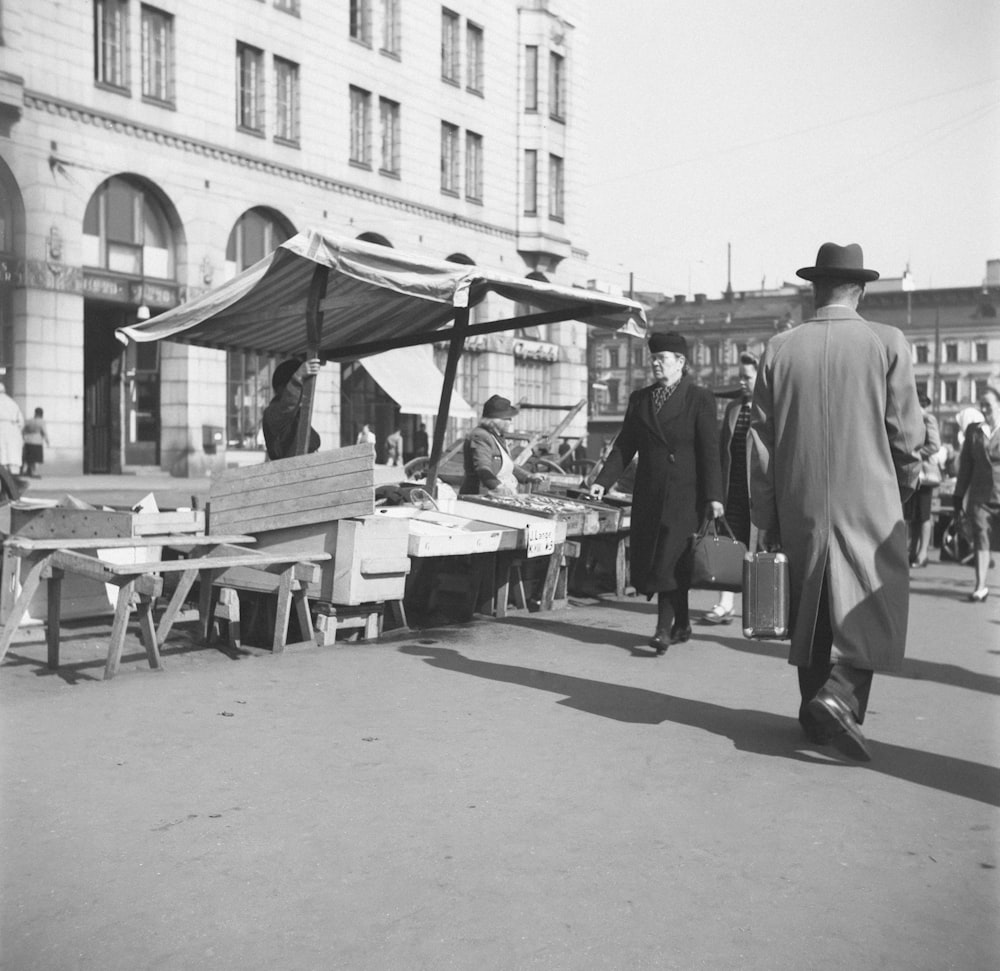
[[143, 591], [39, 570]]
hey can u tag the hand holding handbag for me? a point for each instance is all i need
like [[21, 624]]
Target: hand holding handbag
[[930, 472], [715, 560]]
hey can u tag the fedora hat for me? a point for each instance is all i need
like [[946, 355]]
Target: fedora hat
[[835, 262], [497, 407]]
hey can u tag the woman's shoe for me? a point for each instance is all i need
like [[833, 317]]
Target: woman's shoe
[[979, 596], [660, 641], [678, 635], [719, 615]]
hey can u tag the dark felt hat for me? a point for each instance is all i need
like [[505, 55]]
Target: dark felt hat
[[835, 262], [283, 374], [669, 341], [497, 407]]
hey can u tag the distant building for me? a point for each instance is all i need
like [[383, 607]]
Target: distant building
[[953, 332], [151, 152]]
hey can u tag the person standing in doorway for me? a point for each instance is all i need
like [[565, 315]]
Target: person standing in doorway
[[836, 434], [36, 437]]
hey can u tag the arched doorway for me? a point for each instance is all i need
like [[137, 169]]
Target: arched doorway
[[254, 235], [131, 237], [11, 256]]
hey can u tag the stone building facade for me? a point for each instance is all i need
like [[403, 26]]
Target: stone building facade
[[149, 152]]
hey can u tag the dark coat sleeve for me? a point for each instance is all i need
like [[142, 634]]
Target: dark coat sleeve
[[482, 458]]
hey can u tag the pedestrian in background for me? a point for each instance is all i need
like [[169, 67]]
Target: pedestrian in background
[[11, 423], [420, 441], [280, 421], [366, 436], [671, 426], [36, 437], [736, 476], [836, 434], [918, 507], [394, 448], [978, 486]]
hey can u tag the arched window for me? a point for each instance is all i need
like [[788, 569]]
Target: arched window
[[257, 232], [126, 230]]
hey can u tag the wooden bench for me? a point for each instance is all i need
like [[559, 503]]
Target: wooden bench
[[140, 583]]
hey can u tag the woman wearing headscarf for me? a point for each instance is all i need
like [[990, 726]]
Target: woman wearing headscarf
[[489, 468], [671, 425]]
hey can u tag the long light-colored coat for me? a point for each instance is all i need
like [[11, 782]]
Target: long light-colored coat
[[836, 437]]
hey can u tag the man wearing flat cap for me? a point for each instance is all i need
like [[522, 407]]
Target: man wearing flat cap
[[835, 441], [672, 427], [488, 467]]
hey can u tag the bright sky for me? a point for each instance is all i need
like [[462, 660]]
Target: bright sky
[[776, 125]]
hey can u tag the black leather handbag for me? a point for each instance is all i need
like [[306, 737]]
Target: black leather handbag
[[714, 558]]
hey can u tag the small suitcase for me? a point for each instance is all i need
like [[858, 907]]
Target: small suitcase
[[765, 596]]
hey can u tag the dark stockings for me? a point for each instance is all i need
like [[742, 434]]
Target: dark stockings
[[672, 610]]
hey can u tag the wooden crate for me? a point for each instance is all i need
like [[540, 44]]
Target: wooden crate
[[369, 556], [304, 490]]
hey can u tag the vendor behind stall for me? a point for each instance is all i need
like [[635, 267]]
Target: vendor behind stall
[[280, 423], [489, 469]]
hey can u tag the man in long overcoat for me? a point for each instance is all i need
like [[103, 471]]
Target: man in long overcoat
[[672, 426], [836, 435]]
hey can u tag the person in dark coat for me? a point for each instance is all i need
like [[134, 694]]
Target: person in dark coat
[[280, 422], [671, 425]]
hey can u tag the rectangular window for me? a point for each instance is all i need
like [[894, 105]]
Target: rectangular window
[[612, 353], [111, 43], [922, 388], [922, 354], [473, 166], [474, 58], [613, 390], [286, 100], [449, 158], [950, 389], [982, 351], [951, 353], [531, 79], [556, 188], [557, 87], [360, 126], [449, 46], [289, 6], [249, 385], [530, 182], [250, 88], [533, 384], [157, 55], [361, 21], [979, 387], [389, 120], [390, 27]]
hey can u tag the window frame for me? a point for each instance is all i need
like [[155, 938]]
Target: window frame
[[112, 69], [451, 49], [450, 158], [557, 87], [474, 161], [150, 16], [391, 29], [951, 352], [250, 98], [360, 152], [531, 182], [389, 109], [287, 105], [359, 22], [531, 56], [475, 46], [557, 187]]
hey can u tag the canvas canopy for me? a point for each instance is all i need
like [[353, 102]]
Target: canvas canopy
[[343, 299], [375, 298], [409, 376]]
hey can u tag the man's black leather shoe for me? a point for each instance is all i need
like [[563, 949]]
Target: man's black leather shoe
[[659, 642], [832, 716], [678, 635]]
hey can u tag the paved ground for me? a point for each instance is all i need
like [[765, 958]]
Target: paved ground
[[520, 794]]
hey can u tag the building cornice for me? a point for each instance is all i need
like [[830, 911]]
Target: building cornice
[[123, 126]]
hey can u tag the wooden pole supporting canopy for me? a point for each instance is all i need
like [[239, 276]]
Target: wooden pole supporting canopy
[[458, 333], [314, 336]]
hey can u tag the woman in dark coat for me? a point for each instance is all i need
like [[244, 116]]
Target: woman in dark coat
[[672, 426]]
